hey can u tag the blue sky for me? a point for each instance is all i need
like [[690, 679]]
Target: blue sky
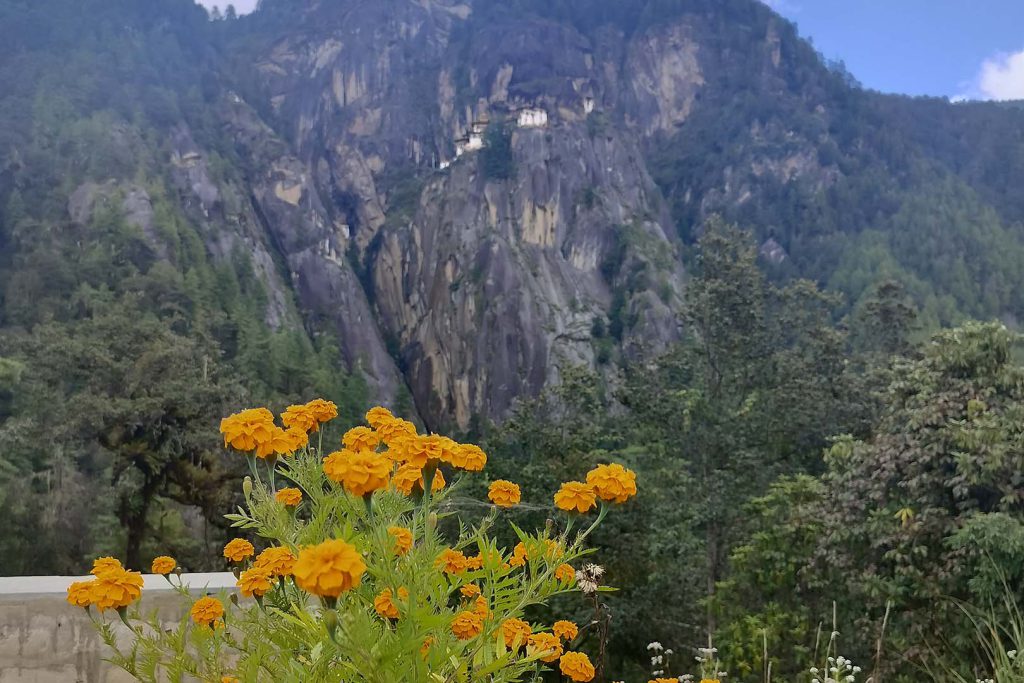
[[957, 48]]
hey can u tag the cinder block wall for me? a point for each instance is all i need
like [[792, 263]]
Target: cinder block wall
[[43, 639]]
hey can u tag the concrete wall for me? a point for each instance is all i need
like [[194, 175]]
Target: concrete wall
[[43, 639]]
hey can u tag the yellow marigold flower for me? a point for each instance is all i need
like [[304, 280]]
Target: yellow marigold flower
[[553, 548], [323, 411], [566, 630], [255, 581], [207, 611], [116, 588], [612, 482], [361, 439], [515, 631], [289, 497], [102, 564], [403, 539], [278, 560], [394, 430], [360, 472], [504, 494], [467, 625], [377, 416], [228, 679], [469, 590], [576, 666], [299, 417], [544, 642], [385, 606], [470, 457], [417, 450], [575, 496], [451, 561], [242, 431], [163, 565], [709, 680], [565, 573], [409, 477], [329, 569], [80, 593], [480, 607], [238, 549], [475, 562]]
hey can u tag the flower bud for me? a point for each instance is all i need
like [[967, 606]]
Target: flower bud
[[247, 486]]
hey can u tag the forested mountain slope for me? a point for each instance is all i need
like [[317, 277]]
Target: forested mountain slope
[[270, 207]]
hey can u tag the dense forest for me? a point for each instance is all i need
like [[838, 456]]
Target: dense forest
[[832, 434]]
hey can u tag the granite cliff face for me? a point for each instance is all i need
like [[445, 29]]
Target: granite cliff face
[[468, 287], [461, 192]]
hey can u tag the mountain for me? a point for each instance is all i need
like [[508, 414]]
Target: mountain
[[284, 194]]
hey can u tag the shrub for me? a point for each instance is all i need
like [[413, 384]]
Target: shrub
[[356, 581]]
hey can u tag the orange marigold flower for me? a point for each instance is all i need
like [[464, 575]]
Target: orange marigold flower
[[394, 430], [289, 497], [469, 590], [566, 630], [504, 494], [470, 457], [576, 666], [278, 560], [360, 472], [575, 496], [299, 417], [480, 607], [403, 539], [329, 569], [323, 411], [377, 416], [709, 680], [361, 439], [255, 581], [102, 564], [544, 642], [238, 549], [384, 604], [612, 482], [409, 477], [515, 631], [299, 438], [80, 593], [519, 555], [116, 588], [207, 611], [425, 647], [467, 625], [228, 679], [242, 431], [676, 680], [451, 561], [275, 441], [565, 573], [163, 565], [475, 562]]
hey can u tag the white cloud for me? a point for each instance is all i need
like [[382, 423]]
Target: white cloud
[[241, 6], [1002, 77]]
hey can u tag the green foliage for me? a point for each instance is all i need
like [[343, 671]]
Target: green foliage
[[496, 156]]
